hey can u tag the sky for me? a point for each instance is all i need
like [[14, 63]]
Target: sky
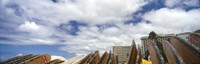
[[67, 28]]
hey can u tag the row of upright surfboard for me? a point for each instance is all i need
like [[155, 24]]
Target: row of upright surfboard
[[176, 51], [32, 59]]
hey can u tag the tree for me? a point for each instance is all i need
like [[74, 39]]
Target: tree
[[153, 36]]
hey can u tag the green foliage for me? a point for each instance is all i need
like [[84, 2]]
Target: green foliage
[[152, 35]]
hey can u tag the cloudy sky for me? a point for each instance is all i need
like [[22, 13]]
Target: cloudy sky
[[76, 27]]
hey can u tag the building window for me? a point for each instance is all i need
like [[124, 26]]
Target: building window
[[127, 55]]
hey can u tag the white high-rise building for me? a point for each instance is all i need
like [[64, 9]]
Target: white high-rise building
[[122, 52]]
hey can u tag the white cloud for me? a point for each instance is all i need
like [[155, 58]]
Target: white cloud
[[39, 21], [171, 3], [43, 29], [167, 21], [34, 34], [52, 14], [174, 19], [89, 11], [190, 3], [29, 26], [91, 39]]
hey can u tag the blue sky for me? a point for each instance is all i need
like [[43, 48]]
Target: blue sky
[[8, 51], [66, 28]]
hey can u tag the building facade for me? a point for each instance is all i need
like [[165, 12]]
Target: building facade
[[184, 36], [122, 52], [144, 46]]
